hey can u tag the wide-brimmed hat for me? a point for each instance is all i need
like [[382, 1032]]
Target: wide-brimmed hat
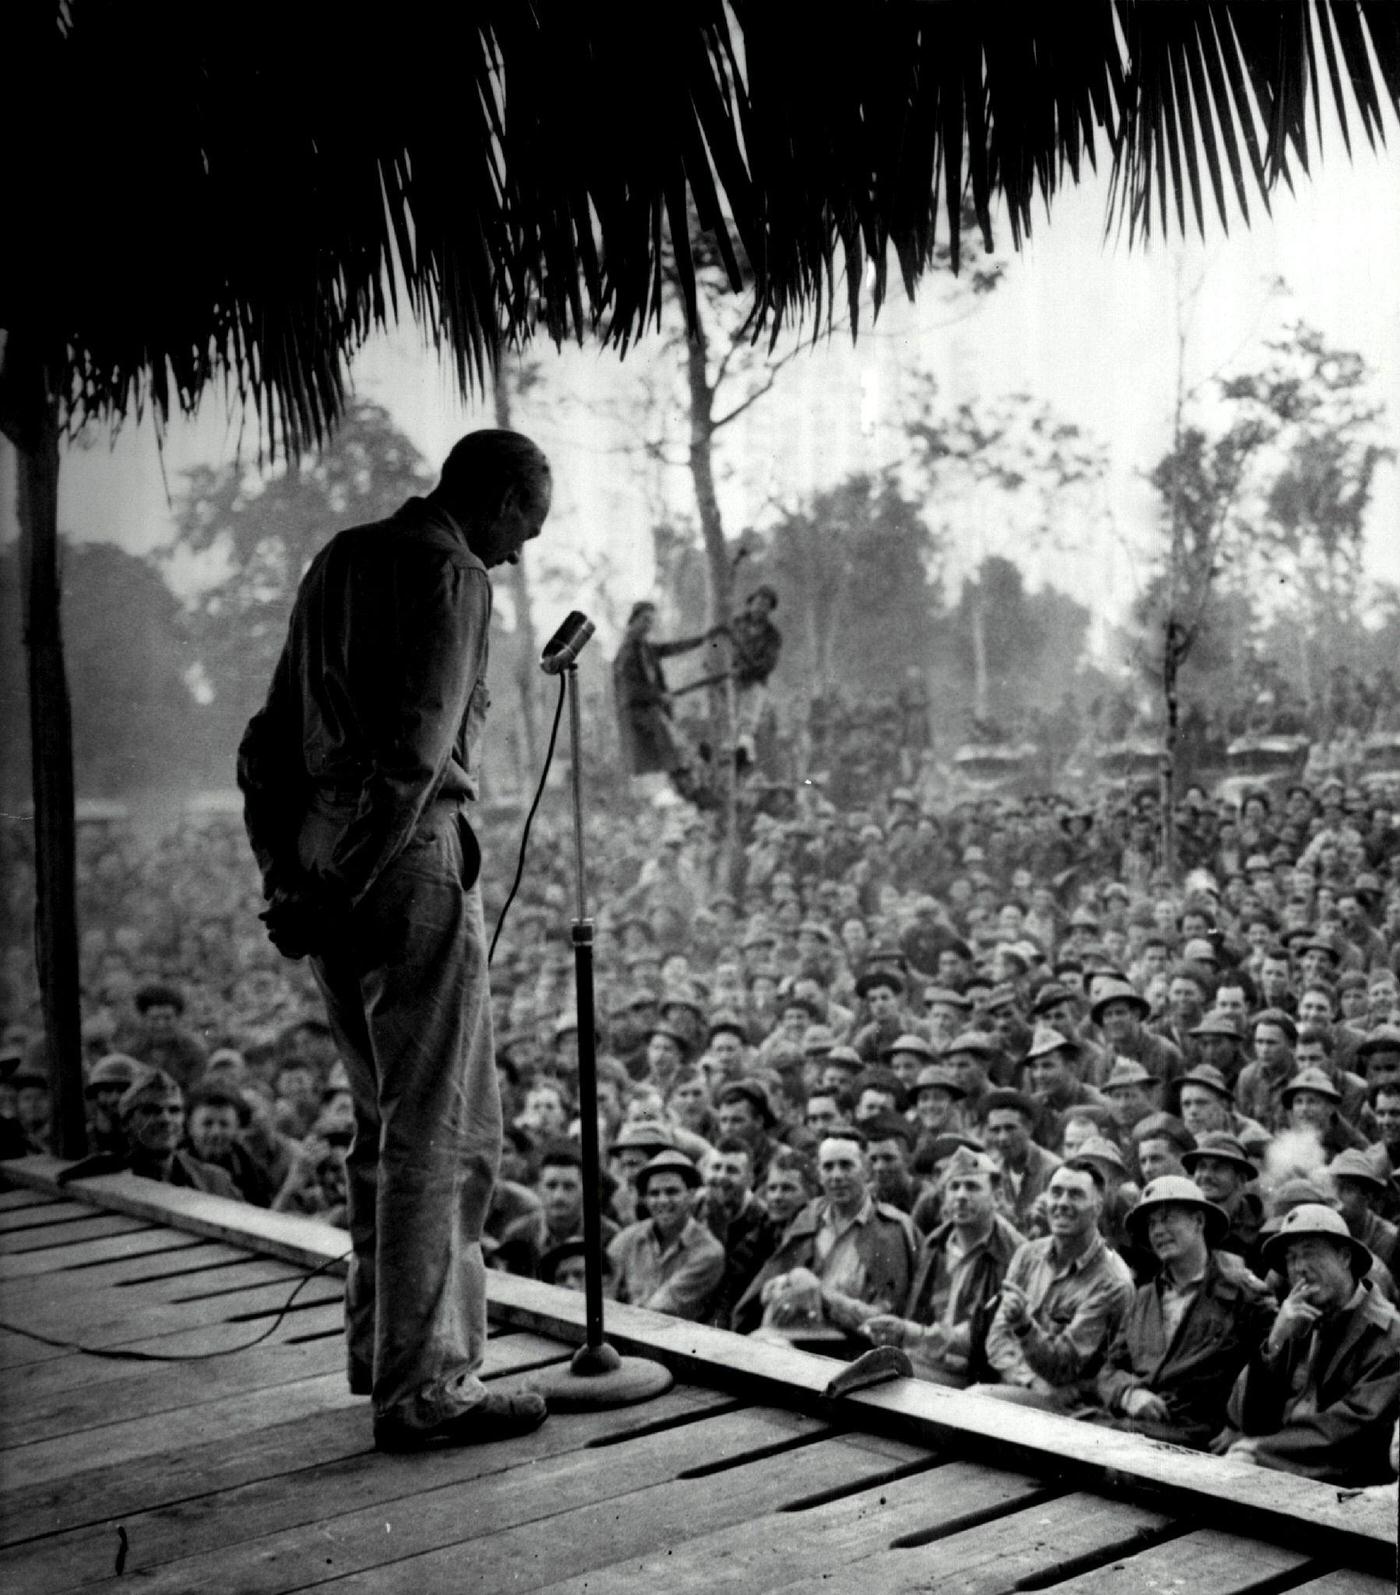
[[1047, 1039], [646, 1135], [1218, 1024], [1314, 1219], [1050, 995], [1384, 1038], [818, 1040], [908, 1042], [977, 1042], [671, 1161], [1352, 1164], [1100, 1151], [1227, 1148], [1002, 995], [115, 1069], [1126, 1072], [934, 1076], [882, 975], [683, 1041], [1119, 991], [1174, 1190], [1310, 1080], [845, 1058], [1210, 1077]]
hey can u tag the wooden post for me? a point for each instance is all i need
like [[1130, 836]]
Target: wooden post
[[1171, 658], [51, 741]]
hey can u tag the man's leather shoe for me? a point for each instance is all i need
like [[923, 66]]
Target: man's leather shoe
[[498, 1416]]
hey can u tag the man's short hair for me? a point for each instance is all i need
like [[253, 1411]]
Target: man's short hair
[[484, 465], [1163, 1127], [1323, 1035], [845, 1132], [158, 994], [889, 1127], [559, 1154], [732, 1146], [213, 1095]]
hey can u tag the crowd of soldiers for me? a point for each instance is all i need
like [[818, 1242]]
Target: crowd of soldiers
[[988, 1084]]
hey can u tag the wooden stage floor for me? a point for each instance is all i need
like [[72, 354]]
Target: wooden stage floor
[[253, 1471]]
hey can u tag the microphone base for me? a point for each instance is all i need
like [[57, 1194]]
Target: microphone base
[[598, 1378]]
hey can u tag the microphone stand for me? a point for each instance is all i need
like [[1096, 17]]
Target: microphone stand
[[597, 1376]]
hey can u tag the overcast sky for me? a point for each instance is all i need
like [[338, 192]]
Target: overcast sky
[[1086, 325]]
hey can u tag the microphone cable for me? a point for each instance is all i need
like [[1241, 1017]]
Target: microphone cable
[[122, 1354], [529, 818]]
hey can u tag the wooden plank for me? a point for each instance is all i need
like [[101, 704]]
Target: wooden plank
[[192, 1255], [288, 1235], [344, 1484], [201, 1465], [40, 1413], [52, 1212], [110, 1325], [13, 1201], [221, 1339], [1351, 1529], [572, 1511], [1206, 1562], [1040, 1542], [737, 1539], [153, 1242], [1347, 1581], [54, 1236]]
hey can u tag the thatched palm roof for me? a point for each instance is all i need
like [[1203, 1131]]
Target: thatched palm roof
[[234, 194]]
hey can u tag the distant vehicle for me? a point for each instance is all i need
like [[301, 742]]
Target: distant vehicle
[[1380, 759], [981, 769], [1133, 762], [1262, 763]]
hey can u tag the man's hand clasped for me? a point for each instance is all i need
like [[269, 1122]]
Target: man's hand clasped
[[303, 921]]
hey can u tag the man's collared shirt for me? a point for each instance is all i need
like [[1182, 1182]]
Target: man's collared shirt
[[1076, 1304], [677, 1278]]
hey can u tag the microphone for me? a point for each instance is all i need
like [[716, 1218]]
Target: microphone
[[566, 644]]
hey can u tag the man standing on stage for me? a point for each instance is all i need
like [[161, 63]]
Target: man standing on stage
[[354, 775]]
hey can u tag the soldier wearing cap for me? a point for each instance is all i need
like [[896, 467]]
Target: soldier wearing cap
[[1057, 1004], [1120, 1012], [1052, 1076], [937, 1094], [1220, 1043], [1310, 1102], [1189, 1330], [1131, 1090], [152, 1112], [1360, 1191], [107, 1083], [945, 1014], [957, 1275], [905, 1056], [667, 1261], [1224, 1171], [1206, 1103], [1320, 1392], [634, 1146]]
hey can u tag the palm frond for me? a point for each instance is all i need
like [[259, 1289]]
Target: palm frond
[[518, 167]]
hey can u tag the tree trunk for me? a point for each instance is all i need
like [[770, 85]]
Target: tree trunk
[[527, 677], [51, 738], [721, 581], [1171, 659], [981, 690]]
